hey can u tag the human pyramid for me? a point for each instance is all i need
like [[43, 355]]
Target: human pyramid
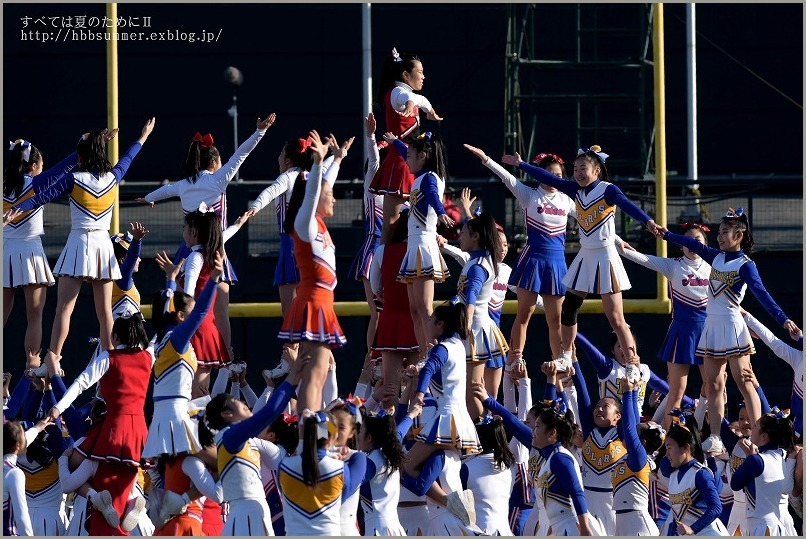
[[421, 442]]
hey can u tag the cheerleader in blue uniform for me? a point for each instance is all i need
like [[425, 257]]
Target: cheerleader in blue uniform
[[125, 296], [380, 490], [597, 268], [24, 262], [541, 265], [693, 489], [239, 456], [373, 224], [88, 254], [688, 284], [761, 475], [725, 337], [485, 346]]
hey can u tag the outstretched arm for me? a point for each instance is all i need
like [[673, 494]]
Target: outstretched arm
[[305, 223], [230, 168], [46, 179]]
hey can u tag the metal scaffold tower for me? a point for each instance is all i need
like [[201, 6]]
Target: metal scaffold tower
[[581, 74]]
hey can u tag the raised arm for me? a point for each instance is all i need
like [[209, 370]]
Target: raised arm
[[522, 192], [305, 223], [119, 170], [276, 189], [230, 168], [374, 161], [594, 356], [180, 337], [636, 453], [237, 434]]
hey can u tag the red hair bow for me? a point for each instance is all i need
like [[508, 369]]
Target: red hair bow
[[690, 224], [206, 140], [304, 144], [289, 419], [539, 157]]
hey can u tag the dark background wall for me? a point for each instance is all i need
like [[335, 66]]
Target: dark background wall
[[304, 62]]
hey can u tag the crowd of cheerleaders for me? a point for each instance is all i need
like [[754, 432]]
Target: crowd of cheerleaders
[[422, 443]]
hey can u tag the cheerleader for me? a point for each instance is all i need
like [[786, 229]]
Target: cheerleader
[[315, 484], [283, 433], [125, 296], [401, 76], [452, 426], [761, 475], [597, 268], [490, 476], [423, 264], [347, 417], [485, 347], [688, 281], [380, 490], [541, 266], [117, 443], [793, 357], [295, 158], [395, 338], [631, 475], [311, 319], [725, 338], [693, 489], [373, 224], [239, 455], [24, 262], [610, 372], [176, 317], [202, 233], [522, 500], [88, 254], [205, 181], [16, 519]]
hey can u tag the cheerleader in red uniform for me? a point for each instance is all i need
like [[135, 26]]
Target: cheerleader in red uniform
[[202, 232], [311, 320], [401, 76], [117, 443], [395, 338]]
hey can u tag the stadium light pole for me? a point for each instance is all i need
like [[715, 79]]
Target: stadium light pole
[[234, 76]]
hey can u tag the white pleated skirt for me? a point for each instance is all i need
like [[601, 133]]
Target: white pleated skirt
[[423, 260], [172, 431], [725, 337], [88, 254], [48, 521], [77, 526], [597, 271], [635, 523], [248, 517], [25, 263]]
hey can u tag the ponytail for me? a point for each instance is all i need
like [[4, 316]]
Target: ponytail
[[200, 154], [23, 156], [484, 226], [91, 151], [208, 226], [454, 317], [383, 431], [492, 436]]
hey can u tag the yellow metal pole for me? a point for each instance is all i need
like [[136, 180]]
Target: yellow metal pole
[[660, 138], [112, 104]]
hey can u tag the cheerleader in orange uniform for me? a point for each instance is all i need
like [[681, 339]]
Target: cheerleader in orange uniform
[[117, 443], [311, 319]]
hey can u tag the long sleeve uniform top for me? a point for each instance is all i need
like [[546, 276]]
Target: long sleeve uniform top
[[693, 495], [16, 518], [595, 205], [29, 224], [761, 477], [316, 253], [125, 296], [92, 194], [425, 199]]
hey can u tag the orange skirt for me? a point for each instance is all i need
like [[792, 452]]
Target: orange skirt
[[181, 525], [311, 318]]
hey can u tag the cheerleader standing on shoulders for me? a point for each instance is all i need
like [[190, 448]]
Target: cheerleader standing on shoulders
[[88, 254], [24, 262], [125, 296], [314, 484], [176, 317], [401, 76], [597, 268], [380, 490], [373, 223], [541, 266], [761, 475], [693, 490], [206, 181], [117, 443], [311, 319], [239, 456], [485, 347], [688, 285], [725, 337], [423, 265]]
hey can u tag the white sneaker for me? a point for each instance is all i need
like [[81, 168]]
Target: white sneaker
[[713, 444], [470, 499], [457, 506], [563, 362], [279, 371], [172, 504], [237, 367], [131, 516], [40, 372], [102, 501], [632, 373]]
